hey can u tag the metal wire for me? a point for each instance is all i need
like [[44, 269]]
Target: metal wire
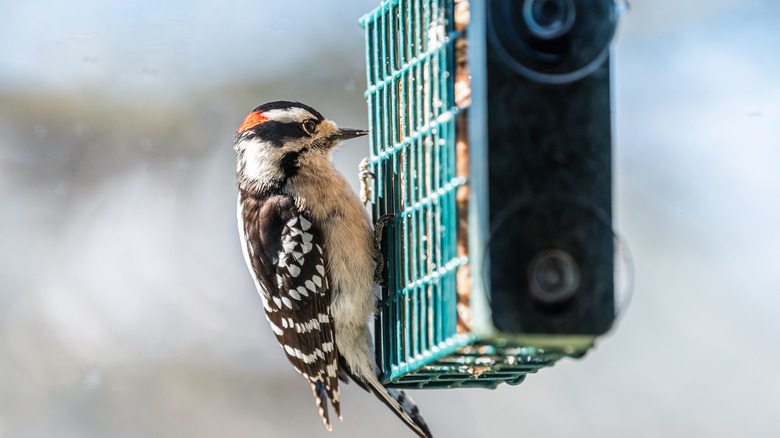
[[410, 51], [412, 113]]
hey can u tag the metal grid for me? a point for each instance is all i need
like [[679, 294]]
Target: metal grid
[[411, 47], [412, 117], [480, 365]]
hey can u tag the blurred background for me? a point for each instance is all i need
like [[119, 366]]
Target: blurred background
[[125, 306]]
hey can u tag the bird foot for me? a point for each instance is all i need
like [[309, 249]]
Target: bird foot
[[379, 228]]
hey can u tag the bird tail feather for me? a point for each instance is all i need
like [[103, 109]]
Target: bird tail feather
[[402, 405], [321, 398]]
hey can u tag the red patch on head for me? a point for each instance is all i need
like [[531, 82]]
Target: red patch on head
[[253, 119]]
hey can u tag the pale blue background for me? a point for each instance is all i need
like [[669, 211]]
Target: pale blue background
[[125, 306]]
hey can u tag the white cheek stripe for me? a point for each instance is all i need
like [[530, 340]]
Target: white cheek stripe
[[260, 160]]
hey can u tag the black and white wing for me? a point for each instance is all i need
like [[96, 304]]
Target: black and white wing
[[286, 255]]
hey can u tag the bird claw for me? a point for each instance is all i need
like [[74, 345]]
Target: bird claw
[[366, 175], [379, 228]]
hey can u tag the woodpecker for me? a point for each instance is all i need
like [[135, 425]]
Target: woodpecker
[[309, 246]]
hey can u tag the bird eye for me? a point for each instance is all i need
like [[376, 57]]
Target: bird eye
[[309, 126]]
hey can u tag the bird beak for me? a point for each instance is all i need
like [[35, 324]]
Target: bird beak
[[347, 133]]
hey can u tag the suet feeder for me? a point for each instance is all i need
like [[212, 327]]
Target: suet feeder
[[491, 150]]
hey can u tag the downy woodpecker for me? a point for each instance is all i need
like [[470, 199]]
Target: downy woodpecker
[[308, 244]]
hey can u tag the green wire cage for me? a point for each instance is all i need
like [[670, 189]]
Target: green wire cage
[[412, 115], [434, 327]]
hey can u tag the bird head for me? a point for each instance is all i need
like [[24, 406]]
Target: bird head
[[277, 138]]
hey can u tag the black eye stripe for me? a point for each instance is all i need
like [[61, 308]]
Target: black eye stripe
[[277, 133]]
